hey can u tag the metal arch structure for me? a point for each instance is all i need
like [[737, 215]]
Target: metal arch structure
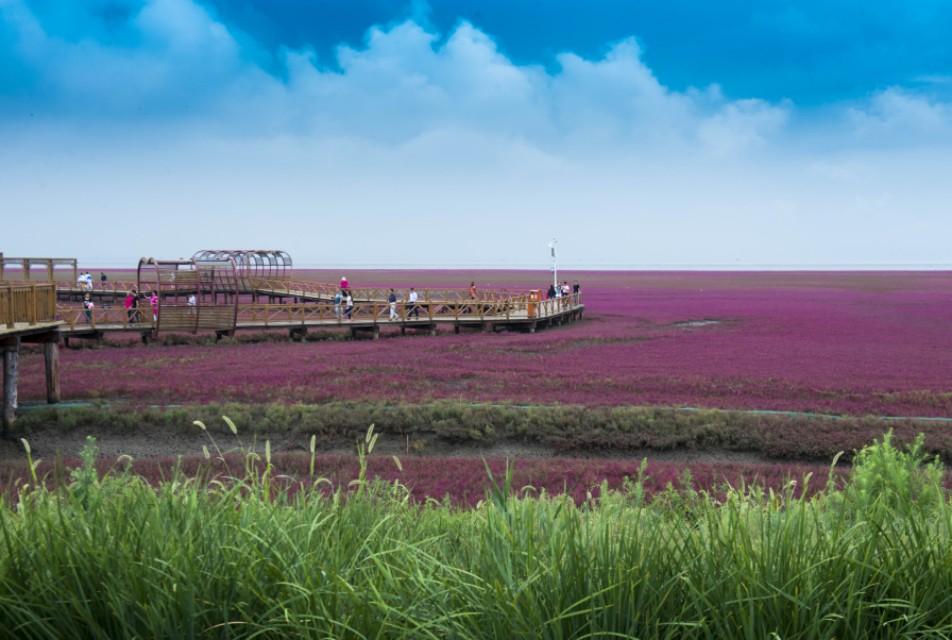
[[263, 264], [191, 296]]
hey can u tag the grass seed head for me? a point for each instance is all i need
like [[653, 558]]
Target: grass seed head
[[231, 425]]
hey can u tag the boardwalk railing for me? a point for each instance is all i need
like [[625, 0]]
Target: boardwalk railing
[[102, 317], [286, 288], [174, 317], [292, 288], [514, 309], [27, 303], [26, 269]]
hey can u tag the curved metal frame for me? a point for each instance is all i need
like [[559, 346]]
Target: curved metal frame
[[169, 287], [267, 264]]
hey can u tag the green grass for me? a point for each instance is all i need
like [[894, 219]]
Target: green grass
[[114, 557], [563, 428]]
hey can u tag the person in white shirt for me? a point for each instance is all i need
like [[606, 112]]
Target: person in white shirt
[[412, 308], [348, 305], [192, 304]]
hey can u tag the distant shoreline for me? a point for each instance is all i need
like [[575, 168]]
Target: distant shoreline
[[648, 268]]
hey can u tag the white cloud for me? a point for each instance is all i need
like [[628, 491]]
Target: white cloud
[[742, 124], [403, 83], [413, 140], [898, 116]]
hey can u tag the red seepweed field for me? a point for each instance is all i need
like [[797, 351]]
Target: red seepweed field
[[858, 344], [840, 342]]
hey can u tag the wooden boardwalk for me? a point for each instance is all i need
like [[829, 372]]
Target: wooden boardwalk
[[362, 318]]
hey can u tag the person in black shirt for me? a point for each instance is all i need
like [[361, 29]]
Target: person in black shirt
[[392, 301]]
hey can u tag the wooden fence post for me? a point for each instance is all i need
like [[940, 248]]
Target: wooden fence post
[[51, 358], [11, 363], [33, 304]]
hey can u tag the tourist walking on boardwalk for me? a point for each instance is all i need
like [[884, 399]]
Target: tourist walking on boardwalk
[[88, 306], [344, 285], [392, 301], [192, 303], [551, 292], [348, 305], [412, 308], [576, 287], [472, 290], [137, 315], [129, 305], [338, 299], [154, 303], [102, 279], [565, 289]]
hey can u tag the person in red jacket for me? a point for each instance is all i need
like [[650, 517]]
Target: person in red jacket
[[130, 305]]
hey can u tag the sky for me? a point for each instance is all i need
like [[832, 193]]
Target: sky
[[470, 133]]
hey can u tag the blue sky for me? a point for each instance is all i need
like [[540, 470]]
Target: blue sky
[[467, 133]]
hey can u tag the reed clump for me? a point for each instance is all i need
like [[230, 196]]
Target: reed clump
[[113, 557]]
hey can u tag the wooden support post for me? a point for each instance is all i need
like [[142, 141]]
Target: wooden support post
[[51, 358], [11, 364], [33, 309]]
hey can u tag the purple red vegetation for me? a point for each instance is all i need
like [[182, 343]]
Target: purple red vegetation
[[858, 343], [465, 480]]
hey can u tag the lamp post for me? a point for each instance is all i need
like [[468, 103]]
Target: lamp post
[[555, 268]]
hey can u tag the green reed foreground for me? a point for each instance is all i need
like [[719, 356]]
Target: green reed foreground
[[116, 558]]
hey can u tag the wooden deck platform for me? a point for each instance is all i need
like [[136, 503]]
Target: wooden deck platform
[[364, 318]]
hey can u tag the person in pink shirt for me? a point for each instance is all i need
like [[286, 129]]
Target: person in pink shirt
[[344, 284], [154, 303], [129, 305]]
